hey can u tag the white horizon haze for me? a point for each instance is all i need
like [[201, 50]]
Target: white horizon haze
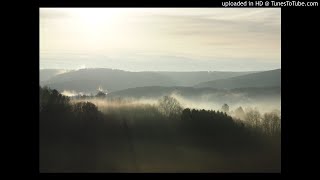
[[161, 39]]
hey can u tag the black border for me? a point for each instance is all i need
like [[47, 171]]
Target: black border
[[298, 33]]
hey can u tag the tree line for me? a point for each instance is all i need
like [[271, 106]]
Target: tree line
[[77, 135]]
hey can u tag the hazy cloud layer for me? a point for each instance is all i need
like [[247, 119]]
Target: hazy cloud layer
[[234, 39]]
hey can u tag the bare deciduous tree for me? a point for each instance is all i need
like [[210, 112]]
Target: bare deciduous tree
[[253, 117], [271, 123], [169, 106]]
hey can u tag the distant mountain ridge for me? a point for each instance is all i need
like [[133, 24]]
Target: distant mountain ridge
[[88, 80], [270, 78], [46, 74]]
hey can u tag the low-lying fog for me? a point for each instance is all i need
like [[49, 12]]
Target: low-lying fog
[[207, 102]]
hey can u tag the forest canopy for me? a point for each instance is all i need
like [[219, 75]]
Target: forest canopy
[[67, 125]]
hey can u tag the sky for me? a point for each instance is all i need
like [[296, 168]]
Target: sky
[[161, 39]]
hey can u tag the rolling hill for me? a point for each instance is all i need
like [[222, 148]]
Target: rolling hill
[[88, 80], [260, 79], [46, 74]]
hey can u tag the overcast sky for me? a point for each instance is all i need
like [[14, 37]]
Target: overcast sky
[[161, 39]]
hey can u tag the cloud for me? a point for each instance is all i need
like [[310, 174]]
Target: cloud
[[184, 38], [219, 26], [53, 13]]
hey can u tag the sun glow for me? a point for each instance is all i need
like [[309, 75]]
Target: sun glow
[[99, 28], [129, 37], [97, 17]]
